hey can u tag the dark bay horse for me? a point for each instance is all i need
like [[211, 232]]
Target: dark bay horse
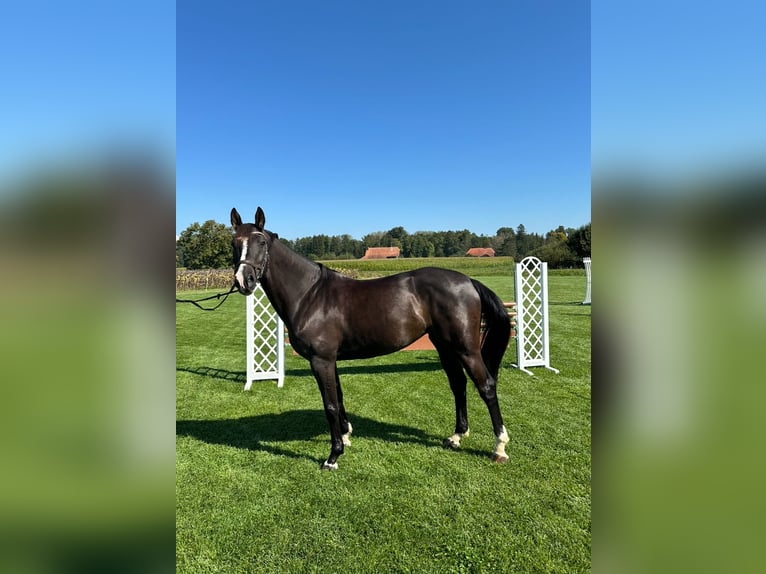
[[331, 317]]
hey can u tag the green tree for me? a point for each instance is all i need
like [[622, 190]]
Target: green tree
[[554, 250], [521, 242], [374, 239], [318, 246], [438, 240], [483, 241], [451, 245], [556, 253], [579, 241], [206, 246], [558, 234], [397, 233], [504, 242], [420, 245]]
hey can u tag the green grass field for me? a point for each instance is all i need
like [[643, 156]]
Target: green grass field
[[250, 496]]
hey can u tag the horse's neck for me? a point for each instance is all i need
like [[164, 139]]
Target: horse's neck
[[287, 280]]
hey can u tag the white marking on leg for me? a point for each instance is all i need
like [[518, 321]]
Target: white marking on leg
[[327, 466], [455, 438], [500, 441], [347, 436]]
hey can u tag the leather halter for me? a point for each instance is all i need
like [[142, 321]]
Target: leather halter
[[258, 274]]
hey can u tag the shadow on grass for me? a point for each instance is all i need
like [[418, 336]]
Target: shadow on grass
[[240, 377], [359, 368], [233, 376], [265, 432]]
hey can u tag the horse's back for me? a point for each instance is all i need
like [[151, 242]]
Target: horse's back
[[442, 280], [426, 290]]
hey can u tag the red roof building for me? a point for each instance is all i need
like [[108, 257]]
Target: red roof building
[[480, 252], [381, 253]]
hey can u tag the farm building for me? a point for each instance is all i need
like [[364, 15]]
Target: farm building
[[381, 253], [480, 252]]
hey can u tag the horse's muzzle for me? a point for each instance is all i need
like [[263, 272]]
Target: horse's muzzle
[[247, 277]]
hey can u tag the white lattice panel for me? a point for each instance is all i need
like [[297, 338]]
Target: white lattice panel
[[265, 340], [532, 342], [586, 261]]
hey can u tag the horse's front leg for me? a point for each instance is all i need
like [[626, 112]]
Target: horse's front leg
[[325, 372], [345, 426]]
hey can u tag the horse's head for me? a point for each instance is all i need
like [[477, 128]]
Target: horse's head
[[251, 251]]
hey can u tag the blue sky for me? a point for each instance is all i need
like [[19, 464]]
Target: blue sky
[[80, 77], [678, 87], [464, 116], [352, 117]]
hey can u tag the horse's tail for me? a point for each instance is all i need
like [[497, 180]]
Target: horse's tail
[[497, 331]]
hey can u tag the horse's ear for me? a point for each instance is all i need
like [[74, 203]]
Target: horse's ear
[[236, 220], [260, 219]]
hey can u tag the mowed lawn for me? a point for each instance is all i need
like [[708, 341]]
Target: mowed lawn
[[250, 496]]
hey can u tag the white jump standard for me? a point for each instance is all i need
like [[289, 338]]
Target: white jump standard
[[265, 340], [532, 340], [586, 261]]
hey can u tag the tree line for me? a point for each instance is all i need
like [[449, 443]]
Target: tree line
[[208, 245]]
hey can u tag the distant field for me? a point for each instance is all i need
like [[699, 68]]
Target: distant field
[[187, 279], [365, 268]]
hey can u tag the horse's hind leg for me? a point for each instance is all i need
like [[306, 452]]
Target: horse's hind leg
[[487, 387], [457, 382]]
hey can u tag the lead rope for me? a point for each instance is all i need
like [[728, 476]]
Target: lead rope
[[195, 302]]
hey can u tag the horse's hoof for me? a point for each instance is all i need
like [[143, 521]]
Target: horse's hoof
[[327, 466], [450, 444], [499, 458]]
